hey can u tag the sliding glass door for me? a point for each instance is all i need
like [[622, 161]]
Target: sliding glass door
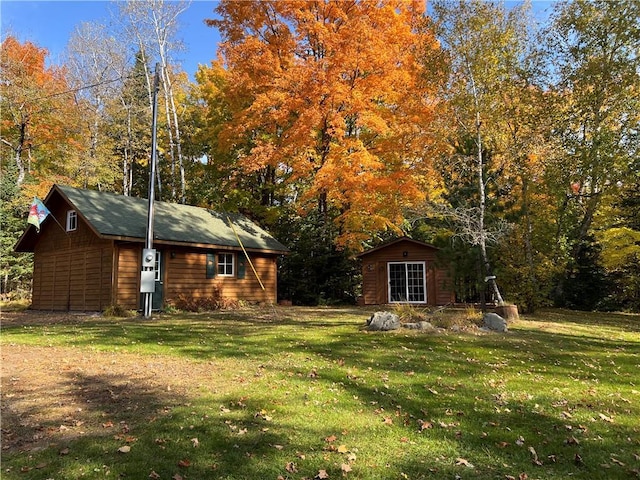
[[407, 282]]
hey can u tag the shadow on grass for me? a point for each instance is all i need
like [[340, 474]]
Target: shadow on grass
[[487, 400], [625, 321]]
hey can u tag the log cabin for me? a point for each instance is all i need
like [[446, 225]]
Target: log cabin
[[404, 271], [88, 256]]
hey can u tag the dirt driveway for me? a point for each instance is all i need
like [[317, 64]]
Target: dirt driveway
[[53, 394]]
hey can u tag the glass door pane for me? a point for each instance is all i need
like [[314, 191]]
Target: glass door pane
[[415, 282], [397, 282]]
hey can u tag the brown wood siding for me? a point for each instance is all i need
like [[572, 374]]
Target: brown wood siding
[[127, 278], [185, 275], [78, 280], [375, 281], [80, 271], [369, 282], [444, 288], [72, 270]]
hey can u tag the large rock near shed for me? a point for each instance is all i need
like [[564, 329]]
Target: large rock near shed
[[426, 326], [495, 322], [383, 321]]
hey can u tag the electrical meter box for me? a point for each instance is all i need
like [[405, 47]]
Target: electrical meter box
[[147, 281], [148, 258]]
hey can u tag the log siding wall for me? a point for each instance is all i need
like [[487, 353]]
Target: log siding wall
[[72, 270], [187, 271], [127, 279], [375, 281]]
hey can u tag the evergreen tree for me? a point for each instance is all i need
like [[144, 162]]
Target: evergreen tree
[[130, 130], [15, 268]]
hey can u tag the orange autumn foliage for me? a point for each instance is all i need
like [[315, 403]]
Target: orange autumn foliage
[[334, 95], [37, 118]]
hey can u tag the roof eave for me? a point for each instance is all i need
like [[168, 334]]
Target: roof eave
[[393, 242], [204, 246]]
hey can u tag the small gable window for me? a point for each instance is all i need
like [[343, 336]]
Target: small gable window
[[225, 264], [72, 220]]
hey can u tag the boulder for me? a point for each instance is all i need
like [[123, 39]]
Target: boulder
[[424, 325], [383, 321], [495, 322]]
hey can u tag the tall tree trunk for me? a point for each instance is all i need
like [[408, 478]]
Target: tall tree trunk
[[19, 149], [532, 279], [482, 240], [176, 130], [171, 148]]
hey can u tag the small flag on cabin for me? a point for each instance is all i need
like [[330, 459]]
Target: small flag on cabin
[[37, 213]]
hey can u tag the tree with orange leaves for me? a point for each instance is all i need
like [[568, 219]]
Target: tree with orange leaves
[[333, 98], [36, 110]]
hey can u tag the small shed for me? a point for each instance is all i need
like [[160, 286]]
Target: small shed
[[89, 256], [404, 271]]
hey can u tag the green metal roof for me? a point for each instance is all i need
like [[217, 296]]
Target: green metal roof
[[114, 215]]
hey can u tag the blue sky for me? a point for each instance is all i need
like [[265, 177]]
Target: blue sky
[[49, 24]]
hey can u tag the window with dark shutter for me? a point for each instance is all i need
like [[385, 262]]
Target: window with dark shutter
[[211, 265], [242, 265]]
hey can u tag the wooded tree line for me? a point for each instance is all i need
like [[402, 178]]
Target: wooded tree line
[[338, 125]]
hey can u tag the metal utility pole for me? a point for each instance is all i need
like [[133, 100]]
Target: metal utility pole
[[148, 274]]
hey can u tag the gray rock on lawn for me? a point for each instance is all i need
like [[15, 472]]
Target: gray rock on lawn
[[495, 322], [383, 321], [426, 326]]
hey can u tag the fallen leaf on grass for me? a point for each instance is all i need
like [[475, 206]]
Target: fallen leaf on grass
[[424, 425], [124, 449], [534, 456], [448, 425], [617, 462], [291, 467], [572, 441], [153, 475], [343, 449], [64, 451], [184, 463], [346, 468], [331, 438], [196, 442], [465, 462], [177, 476], [322, 474], [605, 418]]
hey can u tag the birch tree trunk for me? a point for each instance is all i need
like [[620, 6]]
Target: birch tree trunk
[[153, 23]]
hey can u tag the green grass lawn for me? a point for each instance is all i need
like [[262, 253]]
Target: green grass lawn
[[299, 393]]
